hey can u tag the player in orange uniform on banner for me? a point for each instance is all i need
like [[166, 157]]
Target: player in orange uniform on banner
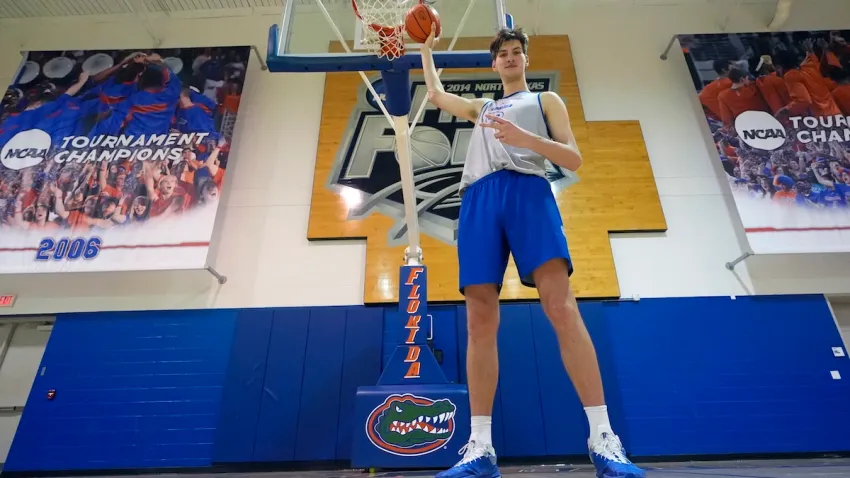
[[782, 132], [114, 160]]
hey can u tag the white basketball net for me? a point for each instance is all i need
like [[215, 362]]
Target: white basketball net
[[384, 25]]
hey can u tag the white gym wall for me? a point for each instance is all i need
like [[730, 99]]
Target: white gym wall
[[841, 310], [22, 345], [262, 229]]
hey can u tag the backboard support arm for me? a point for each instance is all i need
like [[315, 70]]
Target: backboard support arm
[[396, 76]]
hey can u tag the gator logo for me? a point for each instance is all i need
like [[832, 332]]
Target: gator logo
[[407, 425]]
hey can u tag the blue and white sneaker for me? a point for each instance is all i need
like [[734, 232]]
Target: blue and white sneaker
[[479, 460], [609, 458]]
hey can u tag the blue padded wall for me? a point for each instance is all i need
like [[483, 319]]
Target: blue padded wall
[[317, 358], [722, 376], [243, 386], [133, 390], [682, 376], [279, 402]]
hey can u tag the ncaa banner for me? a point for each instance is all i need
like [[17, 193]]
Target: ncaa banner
[[114, 160], [778, 106]]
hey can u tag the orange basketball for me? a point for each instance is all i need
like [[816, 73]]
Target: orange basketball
[[418, 22]]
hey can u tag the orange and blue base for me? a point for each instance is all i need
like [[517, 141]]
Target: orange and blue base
[[413, 418]]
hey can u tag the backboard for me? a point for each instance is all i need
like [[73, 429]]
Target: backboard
[[454, 15]]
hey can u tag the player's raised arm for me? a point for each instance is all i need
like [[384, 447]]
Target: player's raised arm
[[459, 106]]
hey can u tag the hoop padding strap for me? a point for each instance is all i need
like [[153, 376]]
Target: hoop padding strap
[[397, 91]]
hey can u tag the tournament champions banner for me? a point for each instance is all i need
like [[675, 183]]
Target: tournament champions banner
[[778, 106], [114, 160]]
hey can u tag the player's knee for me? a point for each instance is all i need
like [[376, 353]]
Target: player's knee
[[563, 314], [482, 311]]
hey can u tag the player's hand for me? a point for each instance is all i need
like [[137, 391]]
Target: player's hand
[[84, 76], [809, 45], [431, 41], [133, 57], [507, 132]]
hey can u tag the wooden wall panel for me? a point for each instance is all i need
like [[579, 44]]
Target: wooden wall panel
[[616, 192]]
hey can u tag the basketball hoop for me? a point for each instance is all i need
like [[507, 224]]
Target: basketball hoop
[[384, 19]]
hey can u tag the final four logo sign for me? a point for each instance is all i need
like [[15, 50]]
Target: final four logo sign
[[408, 425], [365, 162]]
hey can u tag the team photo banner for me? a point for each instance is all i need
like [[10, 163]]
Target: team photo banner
[[114, 160], [778, 107]]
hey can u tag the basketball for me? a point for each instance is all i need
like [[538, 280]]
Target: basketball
[[418, 22]]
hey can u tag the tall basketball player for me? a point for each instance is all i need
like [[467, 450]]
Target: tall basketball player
[[508, 208]]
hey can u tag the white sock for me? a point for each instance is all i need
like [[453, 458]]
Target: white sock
[[481, 430], [597, 418]]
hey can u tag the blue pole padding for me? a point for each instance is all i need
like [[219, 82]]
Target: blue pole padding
[[397, 91]]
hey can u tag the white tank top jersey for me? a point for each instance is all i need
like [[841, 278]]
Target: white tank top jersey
[[486, 154]]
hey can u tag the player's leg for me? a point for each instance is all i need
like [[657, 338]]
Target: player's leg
[[579, 357], [482, 259], [576, 347], [482, 358], [539, 245]]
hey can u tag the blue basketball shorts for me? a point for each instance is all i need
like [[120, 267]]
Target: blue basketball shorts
[[504, 213]]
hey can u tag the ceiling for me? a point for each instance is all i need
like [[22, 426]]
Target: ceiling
[[71, 8], [74, 8]]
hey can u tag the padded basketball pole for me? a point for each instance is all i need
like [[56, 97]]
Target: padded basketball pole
[[397, 87], [397, 109]]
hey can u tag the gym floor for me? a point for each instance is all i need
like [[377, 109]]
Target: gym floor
[[813, 468]]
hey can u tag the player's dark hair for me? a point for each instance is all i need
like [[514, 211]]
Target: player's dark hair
[[152, 77], [785, 60], [105, 202], [722, 66], [840, 75], [129, 72], [505, 35], [737, 74]]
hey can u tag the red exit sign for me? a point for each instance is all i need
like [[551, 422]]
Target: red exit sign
[[7, 300]]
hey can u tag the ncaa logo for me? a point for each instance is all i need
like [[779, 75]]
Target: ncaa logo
[[409, 425], [365, 171], [760, 130], [25, 149]]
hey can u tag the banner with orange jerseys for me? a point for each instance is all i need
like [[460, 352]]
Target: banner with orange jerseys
[[778, 107], [115, 160]]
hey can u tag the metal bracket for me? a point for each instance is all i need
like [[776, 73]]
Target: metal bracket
[[263, 65], [413, 258], [669, 47], [220, 278], [741, 258]]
